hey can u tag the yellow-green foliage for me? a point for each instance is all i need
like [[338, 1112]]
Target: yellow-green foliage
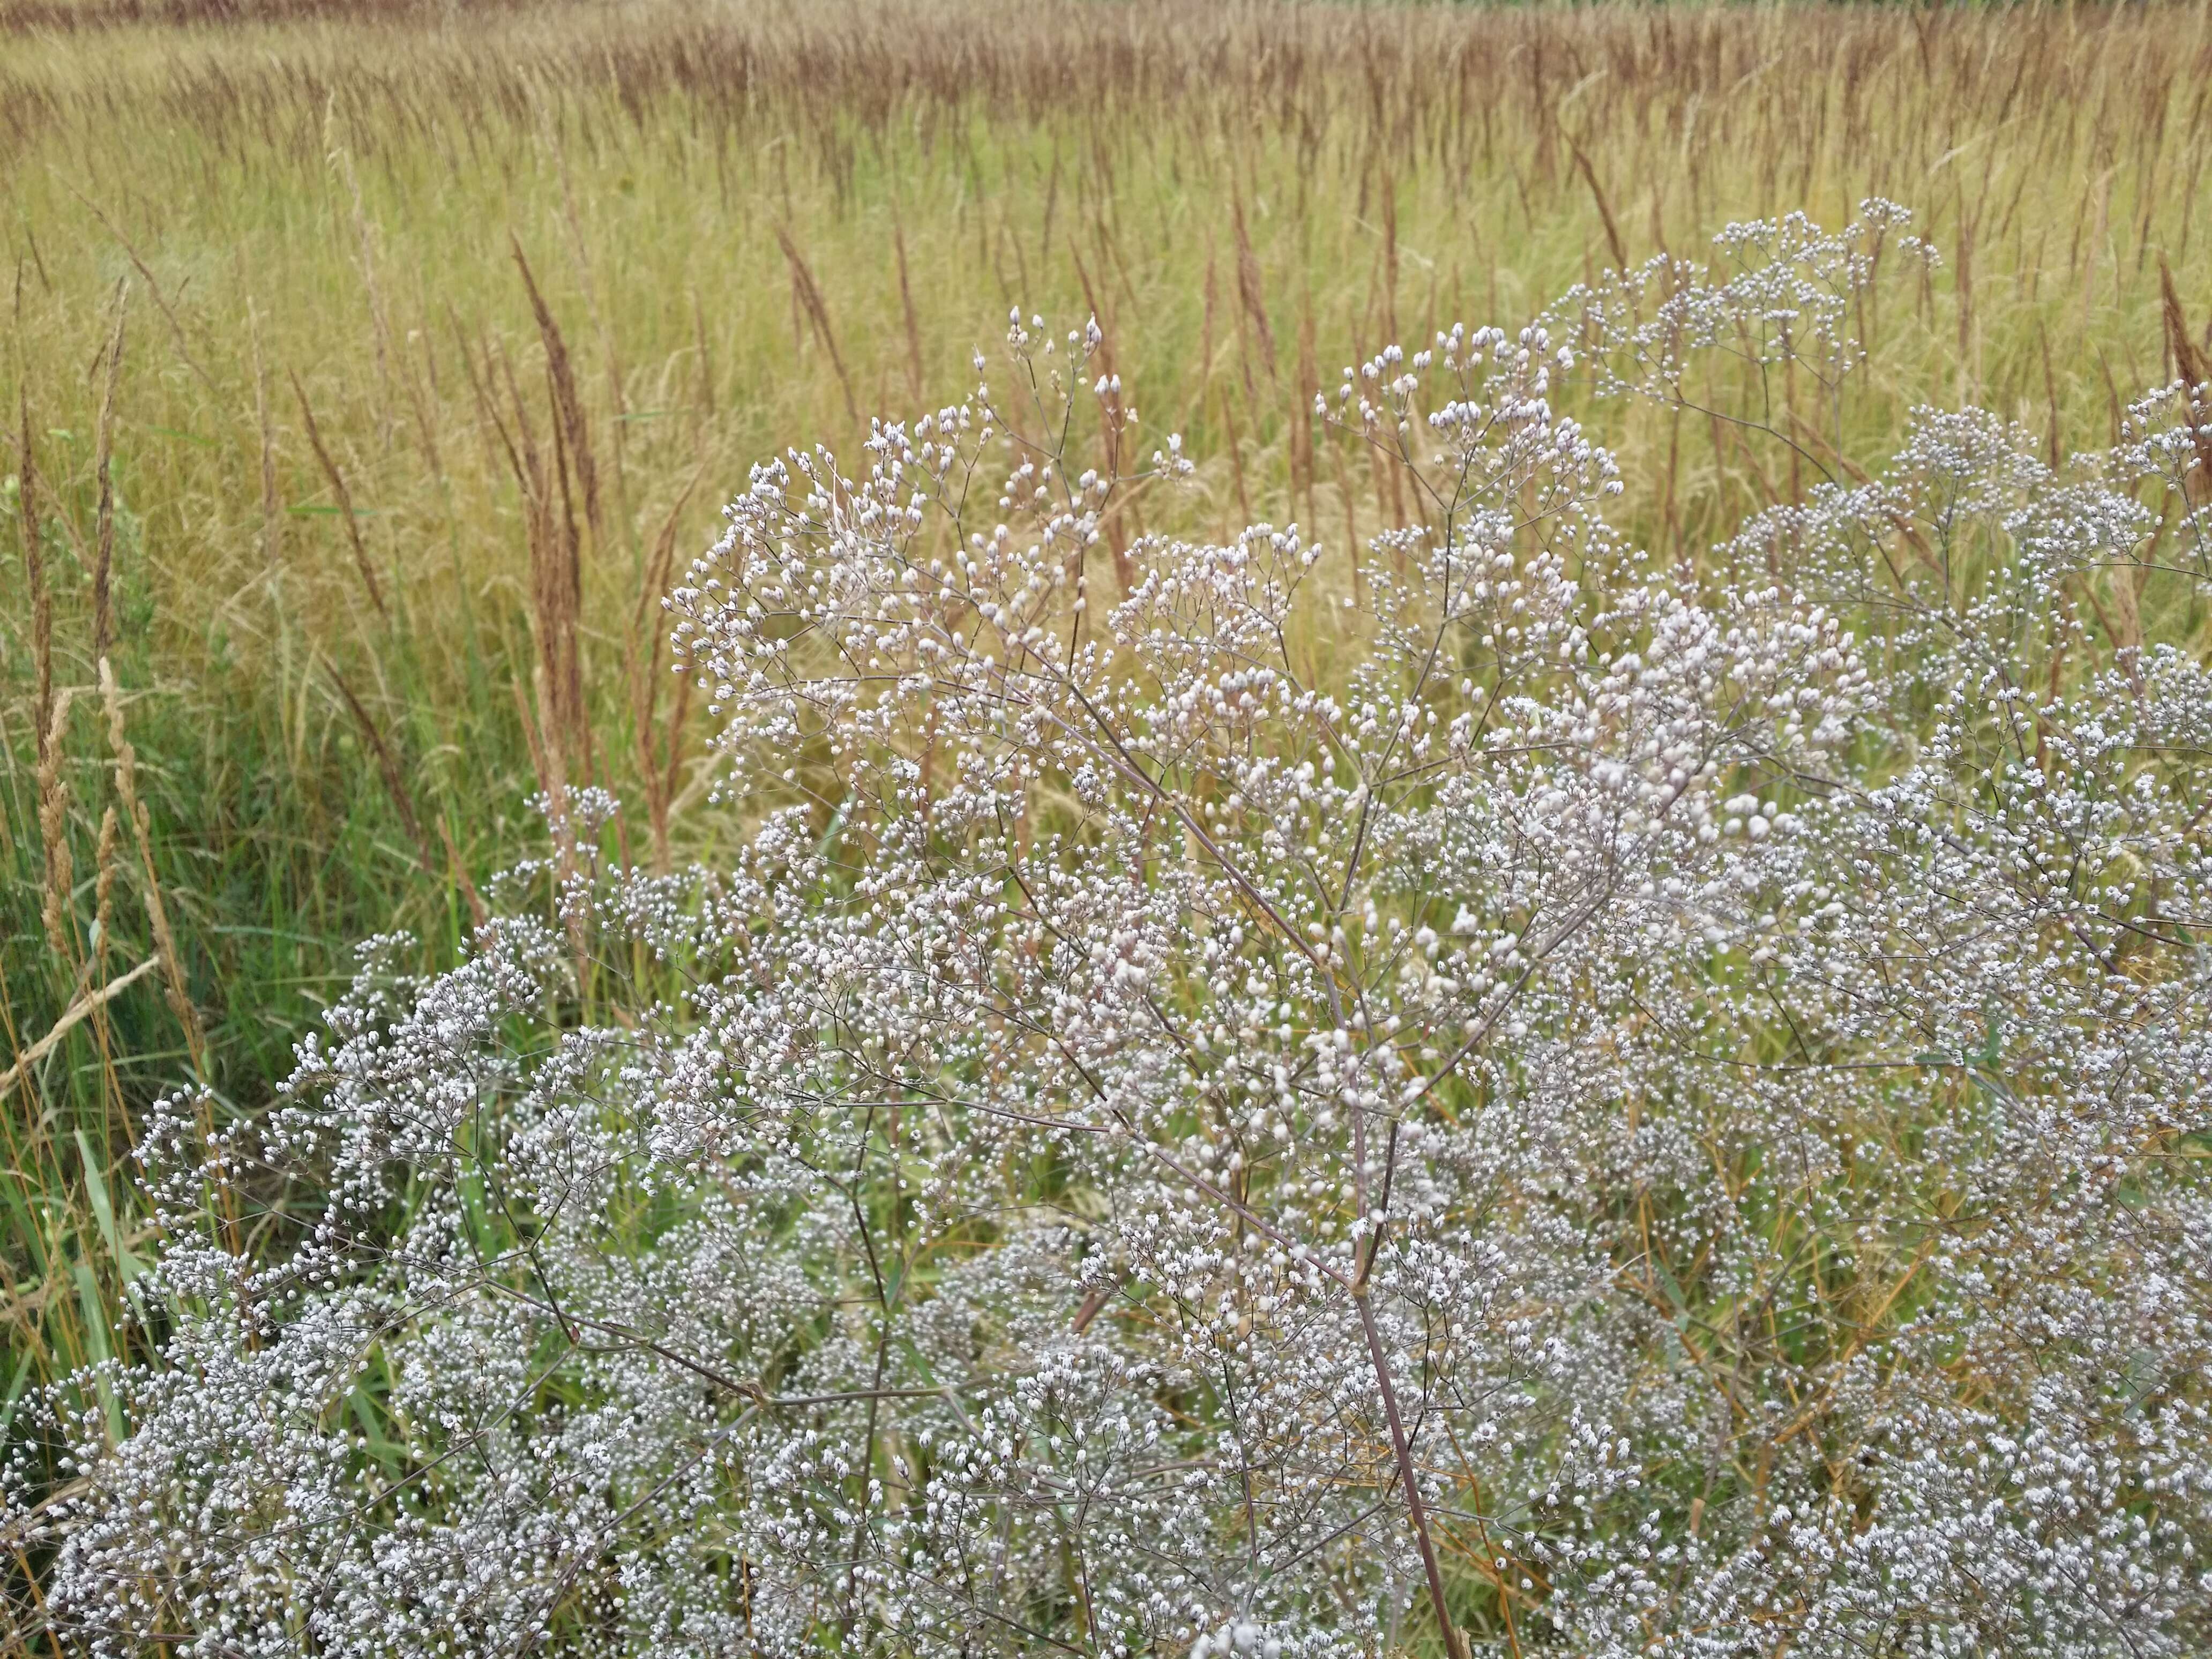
[[335, 608]]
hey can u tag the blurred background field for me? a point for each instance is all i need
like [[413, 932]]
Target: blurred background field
[[378, 364]]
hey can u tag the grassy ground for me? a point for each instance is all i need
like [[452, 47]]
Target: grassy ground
[[376, 519]]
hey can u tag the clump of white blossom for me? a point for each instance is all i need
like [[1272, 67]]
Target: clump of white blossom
[[1632, 1109]]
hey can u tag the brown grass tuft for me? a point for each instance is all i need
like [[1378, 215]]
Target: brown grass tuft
[[360, 560], [53, 833], [103, 567], [659, 744], [806, 295], [2194, 366], [1250, 287], [572, 433], [387, 767]]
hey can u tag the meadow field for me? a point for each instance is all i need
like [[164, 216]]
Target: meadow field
[[371, 370]]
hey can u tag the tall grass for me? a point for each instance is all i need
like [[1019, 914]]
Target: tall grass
[[373, 360]]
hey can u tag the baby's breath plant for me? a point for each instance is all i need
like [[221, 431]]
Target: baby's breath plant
[[1542, 1100]]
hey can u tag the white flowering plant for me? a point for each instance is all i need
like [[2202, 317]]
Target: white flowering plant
[[1545, 1103]]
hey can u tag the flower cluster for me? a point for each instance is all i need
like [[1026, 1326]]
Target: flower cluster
[[1547, 1103]]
